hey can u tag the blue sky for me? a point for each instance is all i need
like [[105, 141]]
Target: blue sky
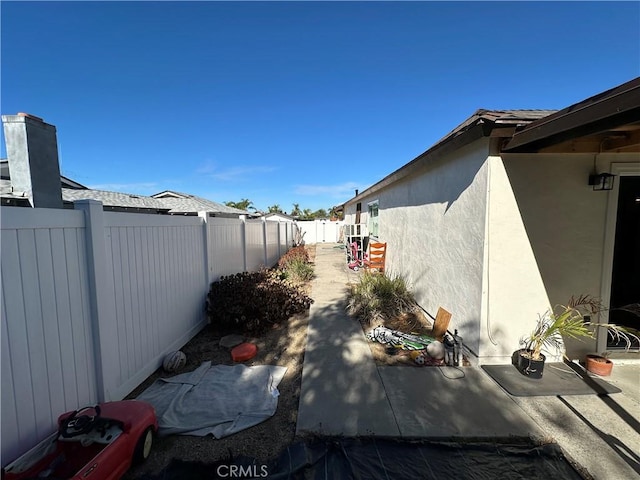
[[291, 102]]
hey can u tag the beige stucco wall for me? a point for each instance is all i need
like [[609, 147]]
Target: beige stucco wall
[[513, 293], [498, 240], [433, 223], [565, 223]]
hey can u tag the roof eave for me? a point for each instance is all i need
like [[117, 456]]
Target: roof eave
[[610, 109]]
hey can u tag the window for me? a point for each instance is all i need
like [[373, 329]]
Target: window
[[373, 218]]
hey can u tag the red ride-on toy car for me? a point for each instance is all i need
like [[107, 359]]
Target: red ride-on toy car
[[95, 443]]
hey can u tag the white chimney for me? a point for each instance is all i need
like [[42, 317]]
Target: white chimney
[[32, 148]]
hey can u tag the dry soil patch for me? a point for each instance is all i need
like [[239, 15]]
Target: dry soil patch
[[283, 345]]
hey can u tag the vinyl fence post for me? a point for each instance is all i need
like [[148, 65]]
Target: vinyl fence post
[[101, 300], [278, 237], [208, 258], [287, 235], [243, 236], [264, 242]]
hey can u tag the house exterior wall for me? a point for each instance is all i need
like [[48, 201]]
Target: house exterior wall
[[498, 240], [434, 224], [513, 293], [565, 222]]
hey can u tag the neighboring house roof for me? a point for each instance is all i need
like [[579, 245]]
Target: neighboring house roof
[[615, 110], [64, 181], [164, 202], [72, 191], [11, 198], [114, 199], [481, 124], [179, 202], [68, 183], [281, 215]]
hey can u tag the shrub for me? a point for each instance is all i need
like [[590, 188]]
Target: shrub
[[252, 302], [377, 298], [299, 271], [296, 254]]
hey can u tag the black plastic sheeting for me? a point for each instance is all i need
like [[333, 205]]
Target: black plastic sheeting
[[383, 459]]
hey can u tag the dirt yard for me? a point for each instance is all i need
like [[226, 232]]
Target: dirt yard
[[283, 345]]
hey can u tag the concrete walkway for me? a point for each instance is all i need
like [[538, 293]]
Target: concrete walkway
[[345, 393]]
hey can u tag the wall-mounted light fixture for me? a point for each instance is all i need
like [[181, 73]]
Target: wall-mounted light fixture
[[601, 181]]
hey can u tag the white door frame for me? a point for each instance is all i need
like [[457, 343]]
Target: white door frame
[[621, 170]]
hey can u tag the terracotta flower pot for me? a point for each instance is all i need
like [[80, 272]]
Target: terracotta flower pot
[[599, 365]]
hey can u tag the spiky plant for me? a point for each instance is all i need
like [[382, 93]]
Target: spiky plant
[[551, 327], [569, 321], [376, 298], [299, 271]]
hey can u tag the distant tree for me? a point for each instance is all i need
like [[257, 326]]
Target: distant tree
[[296, 212], [244, 204], [320, 214], [307, 214], [336, 214], [275, 209]]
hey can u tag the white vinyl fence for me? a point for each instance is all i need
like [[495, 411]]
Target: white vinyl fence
[[321, 231], [93, 300]]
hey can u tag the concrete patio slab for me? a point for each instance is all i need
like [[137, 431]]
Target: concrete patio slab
[[448, 402], [601, 433], [626, 376], [343, 397], [344, 393]]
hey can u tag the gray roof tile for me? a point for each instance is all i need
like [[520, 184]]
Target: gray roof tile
[[113, 199], [192, 203]]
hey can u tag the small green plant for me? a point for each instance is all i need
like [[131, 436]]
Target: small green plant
[[551, 327], [376, 298], [296, 254], [299, 271], [294, 265]]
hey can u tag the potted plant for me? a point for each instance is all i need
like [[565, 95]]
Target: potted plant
[[599, 364], [602, 364], [562, 321], [573, 321]]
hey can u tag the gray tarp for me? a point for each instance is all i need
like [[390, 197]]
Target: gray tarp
[[218, 400], [385, 459]]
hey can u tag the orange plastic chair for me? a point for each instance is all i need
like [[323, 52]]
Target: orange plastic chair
[[377, 256]]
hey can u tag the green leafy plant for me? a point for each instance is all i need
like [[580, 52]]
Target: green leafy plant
[[295, 265], [298, 271], [298, 253], [570, 321], [551, 327], [376, 298]]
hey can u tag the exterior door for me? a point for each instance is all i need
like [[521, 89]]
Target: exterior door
[[625, 281]]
